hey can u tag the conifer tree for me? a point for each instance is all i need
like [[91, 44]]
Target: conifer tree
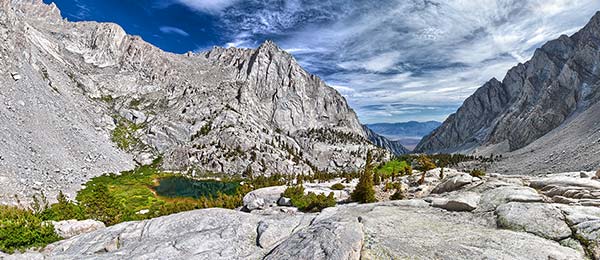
[[364, 192]]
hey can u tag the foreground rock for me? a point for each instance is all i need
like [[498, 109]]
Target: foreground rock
[[263, 198], [544, 220], [71, 228], [495, 217]]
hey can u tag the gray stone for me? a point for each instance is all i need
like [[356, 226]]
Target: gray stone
[[199, 234], [71, 228], [572, 243], [466, 201], [263, 198], [16, 76], [286, 202], [501, 195], [544, 220], [330, 238], [453, 183]]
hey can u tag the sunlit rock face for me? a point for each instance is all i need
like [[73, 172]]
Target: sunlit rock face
[[67, 86]]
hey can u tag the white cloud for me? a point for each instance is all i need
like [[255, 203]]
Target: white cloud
[[208, 6], [173, 30], [427, 52]]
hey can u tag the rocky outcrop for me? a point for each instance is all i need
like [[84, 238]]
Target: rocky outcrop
[[494, 217], [544, 96], [71, 228], [226, 110], [394, 147]]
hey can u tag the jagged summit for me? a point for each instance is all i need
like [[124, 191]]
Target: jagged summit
[[542, 97], [229, 110]]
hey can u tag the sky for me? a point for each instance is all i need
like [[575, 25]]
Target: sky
[[393, 60]]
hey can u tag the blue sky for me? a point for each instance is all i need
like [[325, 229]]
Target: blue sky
[[394, 60]]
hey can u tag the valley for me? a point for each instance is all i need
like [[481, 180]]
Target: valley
[[113, 148]]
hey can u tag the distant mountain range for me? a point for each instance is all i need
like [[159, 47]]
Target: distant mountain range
[[406, 133]]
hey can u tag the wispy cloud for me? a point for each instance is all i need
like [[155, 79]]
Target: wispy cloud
[[173, 30], [208, 6], [387, 53]]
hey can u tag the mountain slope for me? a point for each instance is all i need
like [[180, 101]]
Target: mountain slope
[[393, 146], [86, 84], [545, 95]]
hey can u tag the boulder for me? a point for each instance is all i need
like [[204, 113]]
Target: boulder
[[544, 220], [71, 228], [334, 238], [466, 201], [263, 198], [493, 198], [453, 183], [285, 202]]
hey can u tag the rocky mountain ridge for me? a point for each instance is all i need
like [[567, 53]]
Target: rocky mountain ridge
[[557, 89], [86, 98]]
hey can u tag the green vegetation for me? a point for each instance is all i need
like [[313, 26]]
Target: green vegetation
[[477, 173], [337, 186], [107, 99], [310, 202], [425, 165], [364, 191], [332, 136], [398, 195], [21, 229], [124, 134], [392, 169]]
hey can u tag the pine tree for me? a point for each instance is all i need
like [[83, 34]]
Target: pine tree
[[426, 165], [364, 192]]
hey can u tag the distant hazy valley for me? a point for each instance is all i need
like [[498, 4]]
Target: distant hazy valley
[[408, 134]]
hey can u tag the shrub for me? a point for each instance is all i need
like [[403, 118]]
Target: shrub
[[310, 202], [398, 195], [21, 229], [392, 186], [124, 134], [63, 210], [338, 186], [477, 173], [99, 204]]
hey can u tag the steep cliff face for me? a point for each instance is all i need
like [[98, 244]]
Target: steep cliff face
[[555, 87], [87, 98]]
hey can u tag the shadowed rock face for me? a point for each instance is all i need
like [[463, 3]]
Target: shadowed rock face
[[554, 87], [66, 86]]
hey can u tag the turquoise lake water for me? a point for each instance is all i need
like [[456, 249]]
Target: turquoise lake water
[[176, 187]]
